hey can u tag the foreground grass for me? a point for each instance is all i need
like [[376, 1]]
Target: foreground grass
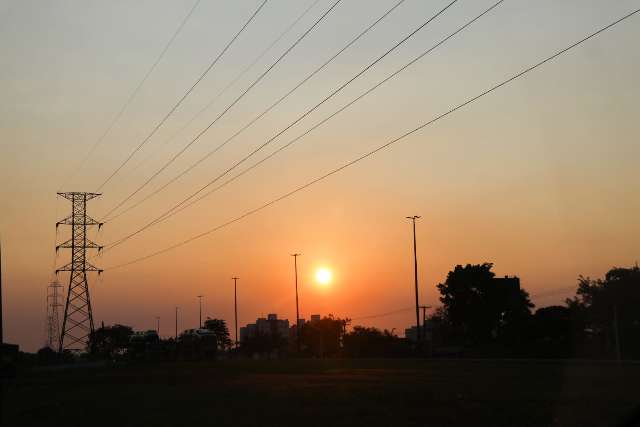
[[328, 392]]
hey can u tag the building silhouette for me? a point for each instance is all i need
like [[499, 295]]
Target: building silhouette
[[269, 326]]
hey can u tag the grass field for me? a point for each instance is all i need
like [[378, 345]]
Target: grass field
[[329, 393]]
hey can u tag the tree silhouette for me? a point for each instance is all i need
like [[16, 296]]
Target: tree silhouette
[[264, 344], [552, 333], [599, 302], [372, 342], [46, 355], [219, 328], [479, 308], [107, 341], [322, 338]]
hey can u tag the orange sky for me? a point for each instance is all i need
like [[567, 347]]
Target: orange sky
[[540, 177]]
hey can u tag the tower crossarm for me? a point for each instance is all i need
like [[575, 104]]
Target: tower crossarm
[[72, 267], [75, 195], [74, 220], [87, 245]]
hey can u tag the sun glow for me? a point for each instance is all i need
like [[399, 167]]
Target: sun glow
[[323, 276]]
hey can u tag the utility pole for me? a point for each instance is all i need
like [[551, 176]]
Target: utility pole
[[424, 321], [176, 336], [235, 305], [616, 333], [415, 275], [200, 304], [295, 268], [1, 318], [77, 325]]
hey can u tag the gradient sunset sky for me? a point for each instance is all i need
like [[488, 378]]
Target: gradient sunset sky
[[540, 177]]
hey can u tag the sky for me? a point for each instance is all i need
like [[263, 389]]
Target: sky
[[539, 178]]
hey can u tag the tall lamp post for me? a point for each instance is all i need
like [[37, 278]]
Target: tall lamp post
[[1, 326], [176, 336], [235, 305], [415, 276], [200, 316], [295, 268], [424, 321]]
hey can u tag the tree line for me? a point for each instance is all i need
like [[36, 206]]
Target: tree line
[[602, 320], [477, 317], [480, 318]]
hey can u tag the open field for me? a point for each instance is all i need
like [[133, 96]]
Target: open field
[[329, 393]]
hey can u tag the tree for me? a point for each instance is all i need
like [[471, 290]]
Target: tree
[[372, 342], [481, 309], [107, 341], [552, 332], [219, 328], [261, 343], [46, 355], [322, 338], [600, 301], [441, 329]]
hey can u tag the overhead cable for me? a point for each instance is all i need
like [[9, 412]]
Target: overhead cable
[[381, 147]]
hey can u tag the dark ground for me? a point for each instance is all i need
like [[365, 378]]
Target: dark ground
[[328, 393]]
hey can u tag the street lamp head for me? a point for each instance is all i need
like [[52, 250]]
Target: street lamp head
[[413, 217], [296, 254]]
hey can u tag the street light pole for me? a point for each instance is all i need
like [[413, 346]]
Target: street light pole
[[415, 275], [158, 325], [176, 336], [295, 267], [235, 304], [1, 324], [200, 304], [424, 320], [616, 334]]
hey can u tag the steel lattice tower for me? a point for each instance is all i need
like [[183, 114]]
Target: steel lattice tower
[[53, 314], [77, 324]]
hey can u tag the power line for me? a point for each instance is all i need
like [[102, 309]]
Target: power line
[[132, 96], [326, 119], [388, 313], [173, 210], [255, 82], [186, 94], [384, 146], [404, 310], [230, 84], [258, 117], [553, 292]]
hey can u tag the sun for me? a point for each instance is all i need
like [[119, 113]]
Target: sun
[[323, 276]]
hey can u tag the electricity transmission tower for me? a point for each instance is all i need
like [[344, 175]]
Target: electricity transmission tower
[[53, 314], [78, 318]]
